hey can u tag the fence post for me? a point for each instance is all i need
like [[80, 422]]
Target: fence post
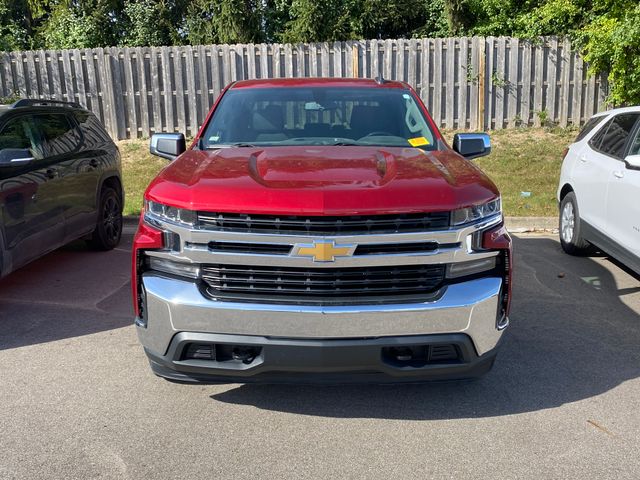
[[355, 59], [481, 84]]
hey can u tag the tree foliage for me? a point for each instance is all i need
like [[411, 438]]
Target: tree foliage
[[13, 34], [226, 21], [611, 43], [151, 22]]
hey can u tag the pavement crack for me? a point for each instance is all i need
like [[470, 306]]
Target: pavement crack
[[88, 308], [111, 293], [593, 423]]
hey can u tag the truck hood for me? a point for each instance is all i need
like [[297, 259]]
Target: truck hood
[[334, 180]]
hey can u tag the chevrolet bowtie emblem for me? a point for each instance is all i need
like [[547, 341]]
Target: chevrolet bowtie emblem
[[323, 250]]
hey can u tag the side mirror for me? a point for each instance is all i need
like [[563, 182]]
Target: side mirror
[[10, 157], [167, 145], [472, 145], [633, 161]]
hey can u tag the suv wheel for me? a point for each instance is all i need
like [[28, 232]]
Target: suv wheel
[[108, 230], [571, 237]]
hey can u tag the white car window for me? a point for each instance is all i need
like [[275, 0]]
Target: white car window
[[589, 126], [634, 149], [612, 138]]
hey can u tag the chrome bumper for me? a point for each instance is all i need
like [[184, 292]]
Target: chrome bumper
[[175, 306]]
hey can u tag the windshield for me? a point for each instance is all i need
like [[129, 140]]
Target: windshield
[[318, 116]]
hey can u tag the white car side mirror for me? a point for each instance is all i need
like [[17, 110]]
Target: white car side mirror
[[633, 161]]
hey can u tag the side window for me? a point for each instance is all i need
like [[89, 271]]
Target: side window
[[596, 140], [92, 130], [634, 149], [611, 140], [15, 134], [18, 140], [58, 135], [589, 126]]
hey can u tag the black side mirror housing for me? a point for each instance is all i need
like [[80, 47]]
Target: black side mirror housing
[[472, 145], [167, 145], [11, 157]]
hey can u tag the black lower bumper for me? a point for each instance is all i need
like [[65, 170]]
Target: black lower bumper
[[213, 358]]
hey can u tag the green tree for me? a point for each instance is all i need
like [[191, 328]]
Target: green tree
[[398, 18], [611, 44], [319, 21], [435, 21], [459, 16], [299, 21], [153, 22], [276, 15], [13, 31], [224, 21], [79, 24]]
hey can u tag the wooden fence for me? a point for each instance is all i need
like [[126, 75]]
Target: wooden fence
[[467, 83]]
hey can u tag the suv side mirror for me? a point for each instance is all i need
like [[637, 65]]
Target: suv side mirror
[[633, 161], [167, 145], [472, 145], [10, 157]]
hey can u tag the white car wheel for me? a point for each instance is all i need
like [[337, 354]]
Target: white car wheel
[[570, 228], [567, 222]]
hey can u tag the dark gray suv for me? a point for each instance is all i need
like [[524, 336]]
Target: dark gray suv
[[60, 180]]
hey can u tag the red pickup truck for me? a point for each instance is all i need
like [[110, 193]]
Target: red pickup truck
[[321, 230]]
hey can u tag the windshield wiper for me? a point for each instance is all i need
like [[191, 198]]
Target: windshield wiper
[[344, 143], [231, 145]]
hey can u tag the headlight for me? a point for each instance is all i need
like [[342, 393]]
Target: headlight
[[476, 212], [174, 268], [171, 214]]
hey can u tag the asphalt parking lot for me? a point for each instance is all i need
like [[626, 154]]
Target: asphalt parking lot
[[79, 400]]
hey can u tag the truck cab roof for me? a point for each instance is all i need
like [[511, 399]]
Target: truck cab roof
[[320, 82]]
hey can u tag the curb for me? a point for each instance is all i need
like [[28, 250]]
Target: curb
[[130, 220], [531, 224]]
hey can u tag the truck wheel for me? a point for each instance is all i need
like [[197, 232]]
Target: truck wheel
[[571, 237], [108, 231]]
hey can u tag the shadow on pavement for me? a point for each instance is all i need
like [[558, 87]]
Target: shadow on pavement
[[71, 292], [571, 338]]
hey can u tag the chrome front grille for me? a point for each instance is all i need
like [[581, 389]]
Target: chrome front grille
[[269, 259], [361, 250], [320, 225], [321, 286]]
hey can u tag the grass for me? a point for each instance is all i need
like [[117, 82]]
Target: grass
[[138, 169], [522, 160], [527, 160]]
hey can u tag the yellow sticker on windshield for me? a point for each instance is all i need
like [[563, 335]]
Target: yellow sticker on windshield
[[418, 141]]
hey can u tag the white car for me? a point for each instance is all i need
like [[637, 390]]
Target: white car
[[599, 190]]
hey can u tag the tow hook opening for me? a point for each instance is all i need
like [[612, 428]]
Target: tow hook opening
[[245, 354], [417, 356], [503, 321]]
